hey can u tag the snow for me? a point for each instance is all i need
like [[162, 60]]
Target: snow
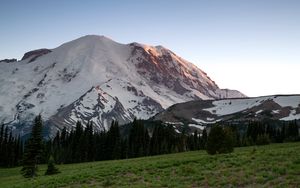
[[177, 131], [200, 121], [174, 123], [292, 101], [259, 111], [61, 77], [197, 126], [291, 116], [210, 119], [230, 106], [227, 106]]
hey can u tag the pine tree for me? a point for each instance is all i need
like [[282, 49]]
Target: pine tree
[[196, 140], [10, 151], [146, 142], [219, 140], [4, 154], [1, 136], [215, 139], [154, 142], [18, 150], [90, 142], [137, 140], [33, 150], [2, 145], [51, 167], [76, 143], [114, 141], [228, 141], [262, 139], [204, 139]]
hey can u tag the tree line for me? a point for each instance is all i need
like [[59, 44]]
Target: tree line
[[84, 143], [261, 133], [11, 148]]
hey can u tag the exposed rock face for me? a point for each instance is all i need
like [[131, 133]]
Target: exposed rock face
[[33, 55], [95, 105], [161, 66], [8, 60]]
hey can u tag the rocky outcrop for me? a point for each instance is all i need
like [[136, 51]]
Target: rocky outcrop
[[33, 55], [161, 66], [8, 60], [96, 106]]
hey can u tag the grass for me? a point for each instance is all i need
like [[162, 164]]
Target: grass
[[276, 165]]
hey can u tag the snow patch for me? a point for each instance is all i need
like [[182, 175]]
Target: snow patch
[[259, 111], [174, 123], [200, 121], [201, 127], [292, 116]]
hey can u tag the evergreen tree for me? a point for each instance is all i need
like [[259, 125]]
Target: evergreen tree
[[228, 142], [124, 148], [33, 149], [196, 140], [2, 145], [204, 139], [114, 141], [263, 139], [292, 131], [154, 143], [90, 142], [215, 140], [137, 140], [5, 147], [18, 150], [146, 142], [51, 167], [10, 151], [76, 143], [1, 140], [100, 148], [219, 140]]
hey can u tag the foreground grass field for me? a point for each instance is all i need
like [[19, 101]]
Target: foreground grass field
[[276, 165]]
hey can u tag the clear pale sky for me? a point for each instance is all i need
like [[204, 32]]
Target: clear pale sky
[[249, 45]]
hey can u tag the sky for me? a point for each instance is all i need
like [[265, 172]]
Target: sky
[[249, 45]]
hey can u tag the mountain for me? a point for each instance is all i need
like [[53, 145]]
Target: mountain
[[204, 112], [94, 78]]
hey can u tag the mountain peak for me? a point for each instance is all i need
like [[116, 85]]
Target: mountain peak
[[96, 37], [92, 39], [134, 80]]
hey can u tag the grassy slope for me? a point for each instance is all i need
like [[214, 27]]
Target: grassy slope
[[276, 165]]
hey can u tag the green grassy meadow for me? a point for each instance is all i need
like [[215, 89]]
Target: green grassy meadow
[[276, 165]]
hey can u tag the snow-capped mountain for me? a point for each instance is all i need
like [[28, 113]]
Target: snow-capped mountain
[[203, 112], [94, 78]]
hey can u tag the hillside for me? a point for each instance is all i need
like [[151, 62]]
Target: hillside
[[94, 78], [204, 112], [275, 165]]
